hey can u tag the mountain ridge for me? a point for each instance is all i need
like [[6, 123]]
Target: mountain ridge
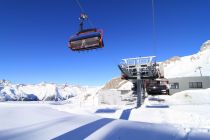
[[41, 92], [189, 65]]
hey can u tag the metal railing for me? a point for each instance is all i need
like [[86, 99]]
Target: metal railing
[[138, 60]]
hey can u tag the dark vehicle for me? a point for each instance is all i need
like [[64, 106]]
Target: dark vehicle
[[157, 87]]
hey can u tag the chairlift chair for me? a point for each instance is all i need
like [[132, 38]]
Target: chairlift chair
[[86, 39]]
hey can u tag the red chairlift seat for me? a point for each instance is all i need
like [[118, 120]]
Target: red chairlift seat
[[87, 40]]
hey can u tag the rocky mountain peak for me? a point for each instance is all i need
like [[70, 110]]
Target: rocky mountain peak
[[205, 46]]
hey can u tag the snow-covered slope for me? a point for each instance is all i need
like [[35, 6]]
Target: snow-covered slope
[[118, 84], [189, 109], [179, 121], [42, 91], [191, 97], [189, 65], [39, 122]]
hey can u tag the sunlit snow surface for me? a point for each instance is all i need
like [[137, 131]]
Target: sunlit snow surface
[[39, 121], [182, 116], [188, 65], [42, 91]]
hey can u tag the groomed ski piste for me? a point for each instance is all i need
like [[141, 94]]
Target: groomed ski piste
[[182, 116]]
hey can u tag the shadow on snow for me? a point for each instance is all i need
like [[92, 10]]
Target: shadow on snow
[[125, 114], [85, 130], [157, 106], [106, 110]]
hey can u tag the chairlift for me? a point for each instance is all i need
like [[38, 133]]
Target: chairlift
[[86, 39]]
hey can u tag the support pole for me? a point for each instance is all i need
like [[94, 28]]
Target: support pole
[[139, 88], [200, 71]]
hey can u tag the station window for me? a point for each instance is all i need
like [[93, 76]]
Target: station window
[[195, 85], [174, 85]]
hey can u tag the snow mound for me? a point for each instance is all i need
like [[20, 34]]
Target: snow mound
[[189, 65], [200, 96], [189, 109]]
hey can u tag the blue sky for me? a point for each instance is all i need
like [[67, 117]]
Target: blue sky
[[34, 36]]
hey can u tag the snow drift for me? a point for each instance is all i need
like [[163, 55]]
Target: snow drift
[[191, 97]]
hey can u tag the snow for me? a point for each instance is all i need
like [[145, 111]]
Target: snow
[[42, 91], [191, 97], [127, 86], [188, 65], [182, 116], [189, 109], [125, 130], [117, 84], [39, 121]]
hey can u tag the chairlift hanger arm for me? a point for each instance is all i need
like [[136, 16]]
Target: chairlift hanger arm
[[82, 18], [86, 39]]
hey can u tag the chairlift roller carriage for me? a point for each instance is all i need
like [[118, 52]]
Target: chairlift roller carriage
[[86, 39]]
